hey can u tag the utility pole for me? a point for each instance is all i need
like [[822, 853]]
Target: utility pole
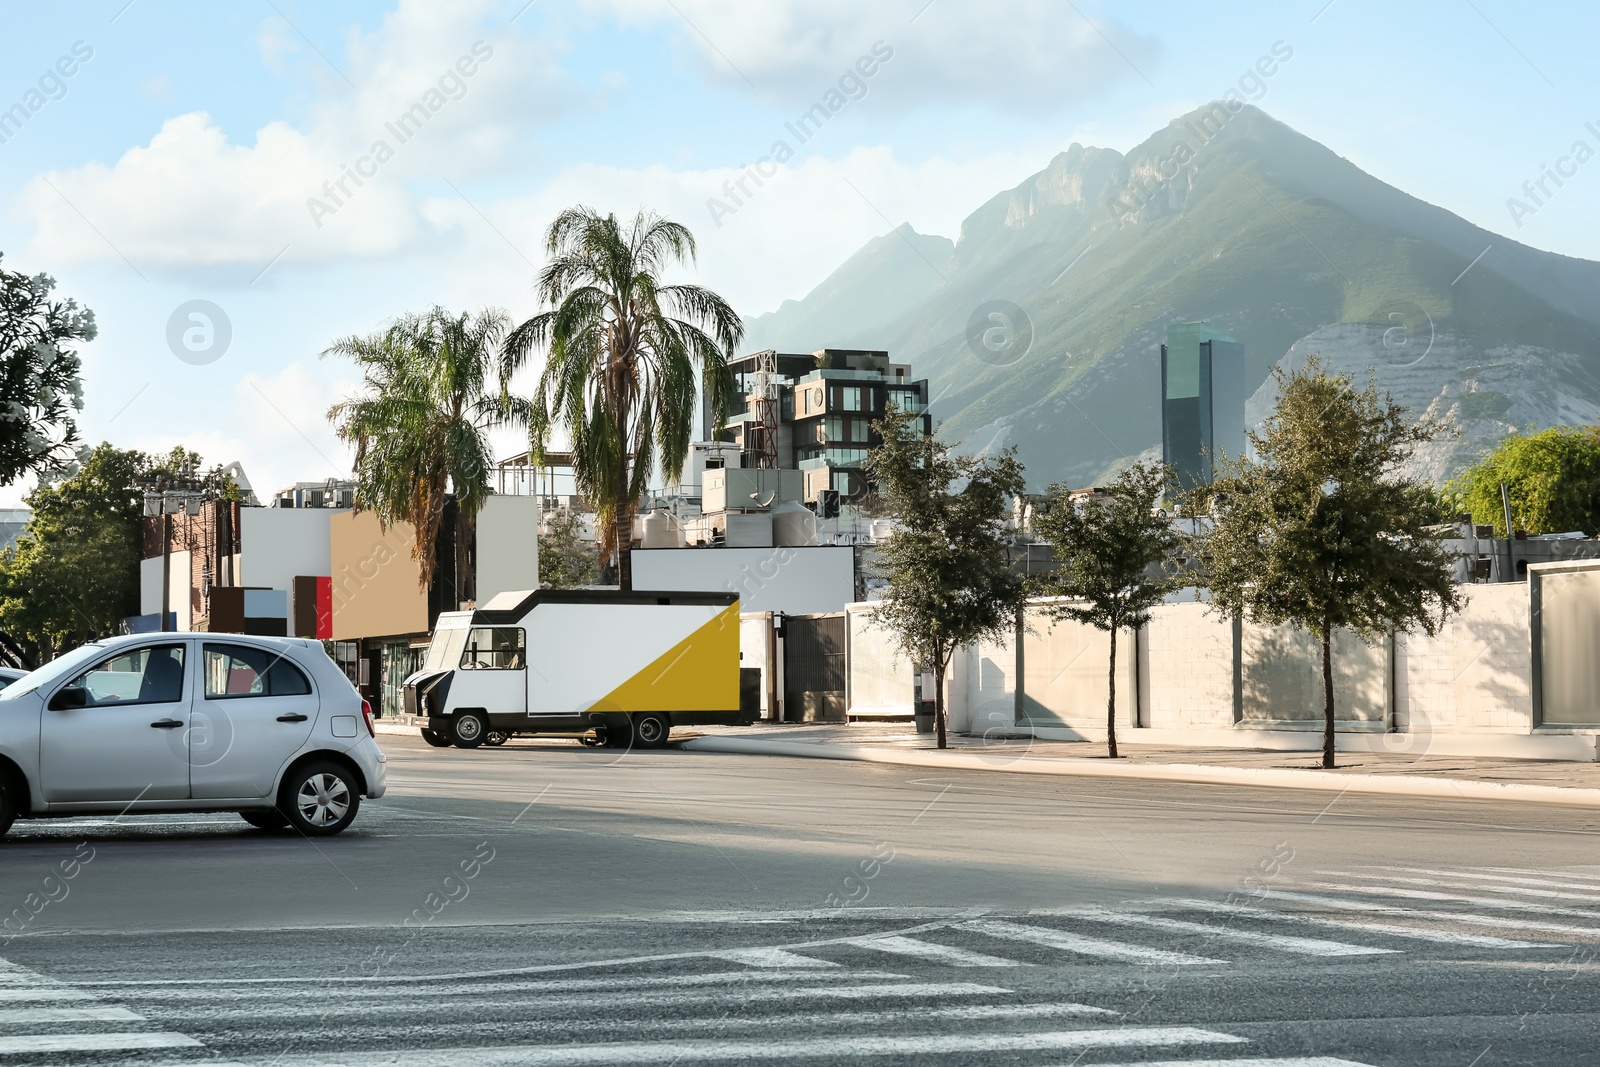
[[166, 563]]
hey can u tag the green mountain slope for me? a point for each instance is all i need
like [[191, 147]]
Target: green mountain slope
[[1264, 233]]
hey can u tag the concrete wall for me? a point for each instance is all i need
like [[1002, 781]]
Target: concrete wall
[[376, 583], [1187, 677], [1065, 668], [1281, 678], [1475, 676], [881, 679], [179, 595], [795, 581], [277, 544], [508, 545]]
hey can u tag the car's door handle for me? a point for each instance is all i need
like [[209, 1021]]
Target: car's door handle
[[168, 724], [293, 717]]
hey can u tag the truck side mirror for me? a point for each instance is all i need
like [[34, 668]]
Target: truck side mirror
[[73, 696]]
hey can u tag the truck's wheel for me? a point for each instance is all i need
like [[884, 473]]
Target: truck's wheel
[[468, 730], [650, 730], [437, 740]]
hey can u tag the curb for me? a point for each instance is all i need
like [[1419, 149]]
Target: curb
[[1271, 778]]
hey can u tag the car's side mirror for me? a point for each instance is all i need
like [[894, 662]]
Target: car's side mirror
[[73, 696]]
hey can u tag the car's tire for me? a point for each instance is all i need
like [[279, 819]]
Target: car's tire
[[8, 809], [651, 729], [468, 729], [437, 740], [496, 738], [265, 820], [320, 798]]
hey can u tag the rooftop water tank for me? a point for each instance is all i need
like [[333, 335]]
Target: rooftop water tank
[[793, 525], [661, 530]]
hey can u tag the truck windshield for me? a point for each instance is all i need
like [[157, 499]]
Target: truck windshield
[[444, 651]]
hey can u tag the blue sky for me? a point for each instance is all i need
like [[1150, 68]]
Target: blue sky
[[176, 162]]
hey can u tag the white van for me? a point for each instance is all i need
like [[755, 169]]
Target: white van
[[615, 668]]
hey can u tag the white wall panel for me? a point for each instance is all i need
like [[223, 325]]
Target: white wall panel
[[796, 581]]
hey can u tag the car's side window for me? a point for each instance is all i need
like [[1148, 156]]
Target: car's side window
[[249, 671], [151, 675], [494, 648]]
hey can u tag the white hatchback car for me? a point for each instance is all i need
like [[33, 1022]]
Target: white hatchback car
[[268, 727]]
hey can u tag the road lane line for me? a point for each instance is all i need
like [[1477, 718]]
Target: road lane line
[[1274, 1061], [835, 1049], [38, 1016], [1486, 902], [769, 957], [1445, 916], [1085, 946], [1445, 883], [1305, 946], [11, 996], [927, 950], [1440, 936], [18, 1045], [1548, 882]]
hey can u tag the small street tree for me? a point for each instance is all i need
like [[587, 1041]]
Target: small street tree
[[1322, 530], [950, 579], [1112, 553], [41, 386], [565, 560]]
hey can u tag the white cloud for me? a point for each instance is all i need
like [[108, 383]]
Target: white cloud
[[1028, 55], [192, 197]]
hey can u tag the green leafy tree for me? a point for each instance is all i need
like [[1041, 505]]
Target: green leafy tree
[[1113, 554], [1552, 478], [434, 387], [41, 387], [950, 579], [623, 353], [1322, 530], [73, 575], [565, 560]]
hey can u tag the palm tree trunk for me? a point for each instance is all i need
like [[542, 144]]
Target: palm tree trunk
[[1327, 697], [624, 535], [1111, 700]]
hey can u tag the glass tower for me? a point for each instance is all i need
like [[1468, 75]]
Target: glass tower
[[1202, 400]]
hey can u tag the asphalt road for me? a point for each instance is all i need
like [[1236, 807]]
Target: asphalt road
[[548, 904]]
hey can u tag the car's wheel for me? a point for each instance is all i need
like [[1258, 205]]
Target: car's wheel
[[320, 799], [265, 820], [8, 809], [436, 739], [650, 730], [496, 738], [468, 730]]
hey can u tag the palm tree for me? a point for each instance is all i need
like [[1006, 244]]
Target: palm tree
[[433, 389], [623, 350]]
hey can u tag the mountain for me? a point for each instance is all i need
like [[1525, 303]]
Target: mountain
[[1233, 218]]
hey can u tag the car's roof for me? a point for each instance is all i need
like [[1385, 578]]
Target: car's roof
[[12, 672], [191, 635]]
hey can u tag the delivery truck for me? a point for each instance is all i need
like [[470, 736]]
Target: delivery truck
[[612, 668]]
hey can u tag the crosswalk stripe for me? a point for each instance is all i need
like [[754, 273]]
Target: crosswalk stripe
[[1308, 946], [1273, 1061], [927, 950], [16, 1046], [1446, 883], [1485, 902], [1085, 946], [1543, 883], [11, 996], [769, 957], [836, 1049], [1448, 916], [1593, 879], [1441, 936], [97, 1013]]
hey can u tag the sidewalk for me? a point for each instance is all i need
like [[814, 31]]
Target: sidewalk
[[1407, 774]]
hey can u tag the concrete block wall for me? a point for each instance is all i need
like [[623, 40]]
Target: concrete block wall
[[1186, 669], [1476, 675]]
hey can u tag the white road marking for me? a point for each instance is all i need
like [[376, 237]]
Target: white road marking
[[1306, 946], [769, 957], [1440, 936], [835, 1049], [1275, 1061], [16, 1046], [1085, 946], [1445, 916], [1594, 878], [1486, 902], [35, 1016], [927, 950], [1547, 882], [1446, 883], [11, 996]]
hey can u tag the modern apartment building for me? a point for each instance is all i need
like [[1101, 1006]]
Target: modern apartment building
[[814, 413], [1202, 399]]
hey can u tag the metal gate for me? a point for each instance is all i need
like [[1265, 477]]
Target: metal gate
[[814, 668]]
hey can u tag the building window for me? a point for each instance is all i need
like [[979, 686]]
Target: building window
[[850, 398], [841, 482], [832, 429], [860, 431]]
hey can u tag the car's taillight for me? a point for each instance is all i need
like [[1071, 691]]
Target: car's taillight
[[366, 713]]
